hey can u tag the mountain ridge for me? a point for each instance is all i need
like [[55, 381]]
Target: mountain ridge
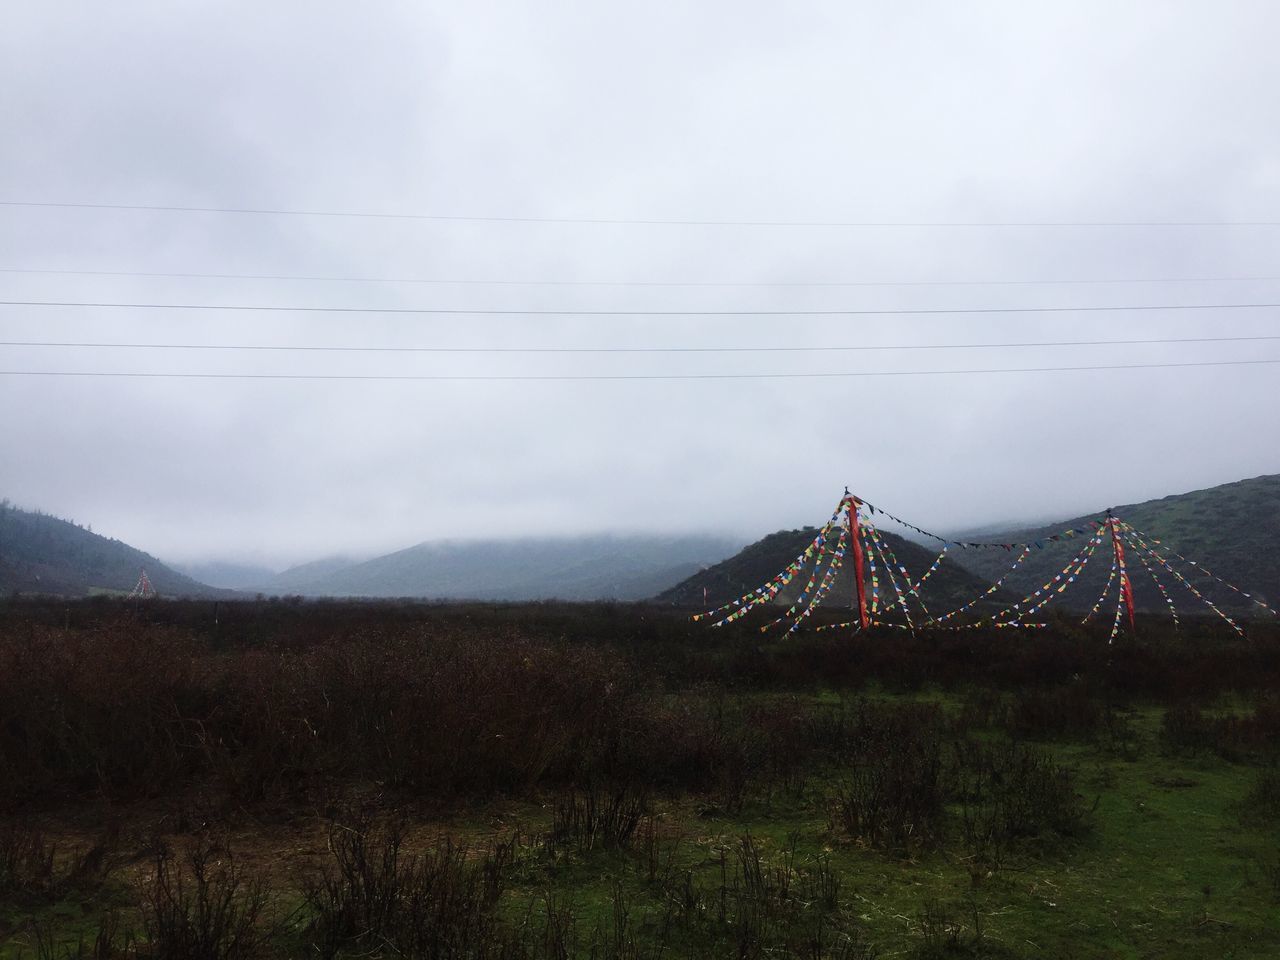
[[758, 562], [1232, 529], [43, 554], [591, 567]]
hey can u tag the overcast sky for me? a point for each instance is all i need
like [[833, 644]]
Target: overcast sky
[[845, 112]]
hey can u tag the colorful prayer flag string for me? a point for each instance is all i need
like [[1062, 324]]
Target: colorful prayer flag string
[[1202, 569], [769, 590], [813, 580], [823, 588], [1066, 534], [1173, 611], [1115, 624], [874, 536], [1111, 577], [1186, 583], [1015, 610], [1063, 580], [906, 577], [933, 567], [822, 561], [1026, 552]]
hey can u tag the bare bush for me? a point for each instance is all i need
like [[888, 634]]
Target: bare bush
[[202, 907]]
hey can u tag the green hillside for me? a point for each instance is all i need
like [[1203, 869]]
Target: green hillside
[[950, 587], [42, 554], [1233, 530]]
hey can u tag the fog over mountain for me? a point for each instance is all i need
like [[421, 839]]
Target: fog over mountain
[[40, 554], [567, 568], [769, 202], [232, 576]]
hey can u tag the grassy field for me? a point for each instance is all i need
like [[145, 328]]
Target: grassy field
[[276, 780]]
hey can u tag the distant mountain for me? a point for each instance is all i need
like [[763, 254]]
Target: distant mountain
[[950, 587], [296, 580], [42, 554], [599, 567], [1233, 530], [230, 576]]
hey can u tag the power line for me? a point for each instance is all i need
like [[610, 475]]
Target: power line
[[637, 313], [632, 283], [843, 348], [611, 221], [627, 376]]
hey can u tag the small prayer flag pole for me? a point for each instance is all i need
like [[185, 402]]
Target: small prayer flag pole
[[1126, 587], [852, 504]]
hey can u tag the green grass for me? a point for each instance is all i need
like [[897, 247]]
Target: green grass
[[1170, 868]]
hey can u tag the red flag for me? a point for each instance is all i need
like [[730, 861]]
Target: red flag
[[860, 597]]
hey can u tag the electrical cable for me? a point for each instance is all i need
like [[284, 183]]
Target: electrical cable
[[630, 283], [437, 311], [842, 348], [629, 376], [620, 221]]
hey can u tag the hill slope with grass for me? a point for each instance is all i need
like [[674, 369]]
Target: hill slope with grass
[[45, 555], [1233, 530], [950, 587]]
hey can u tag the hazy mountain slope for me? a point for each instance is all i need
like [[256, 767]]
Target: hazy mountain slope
[[759, 562], [231, 576], [579, 568], [295, 579], [1233, 530], [42, 554]]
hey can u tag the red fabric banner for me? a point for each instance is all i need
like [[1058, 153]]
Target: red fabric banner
[[856, 536], [1126, 588]]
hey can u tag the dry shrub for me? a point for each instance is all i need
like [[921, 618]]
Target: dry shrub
[[1073, 711], [31, 869], [1009, 793], [1263, 798], [894, 795], [377, 896], [202, 907], [598, 818], [1250, 737]]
